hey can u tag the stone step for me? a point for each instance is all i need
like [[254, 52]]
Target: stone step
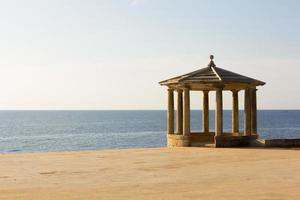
[[258, 143]]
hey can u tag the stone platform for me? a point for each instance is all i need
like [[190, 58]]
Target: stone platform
[[227, 140]]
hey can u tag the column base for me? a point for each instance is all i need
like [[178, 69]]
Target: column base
[[178, 140]]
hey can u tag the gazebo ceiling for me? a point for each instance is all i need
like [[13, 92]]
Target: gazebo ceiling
[[211, 75]]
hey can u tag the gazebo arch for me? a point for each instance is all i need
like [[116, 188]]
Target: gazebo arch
[[211, 78]]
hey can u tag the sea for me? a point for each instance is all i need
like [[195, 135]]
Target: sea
[[44, 131]]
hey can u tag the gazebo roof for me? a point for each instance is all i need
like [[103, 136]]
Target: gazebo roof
[[211, 75]]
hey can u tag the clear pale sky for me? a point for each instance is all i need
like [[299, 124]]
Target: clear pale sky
[[76, 54]]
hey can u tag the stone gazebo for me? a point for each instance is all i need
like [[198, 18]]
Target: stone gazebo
[[208, 79]]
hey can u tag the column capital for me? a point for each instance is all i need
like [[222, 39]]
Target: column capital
[[205, 91], [249, 88], [218, 86], [179, 90], [235, 91], [186, 89], [170, 90], [219, 89]]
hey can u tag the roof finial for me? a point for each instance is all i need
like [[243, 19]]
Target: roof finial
[[211, 63]]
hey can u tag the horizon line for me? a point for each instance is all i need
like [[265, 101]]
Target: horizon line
[[1, 110]]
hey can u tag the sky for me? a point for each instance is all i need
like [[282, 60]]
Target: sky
[[111, 54]]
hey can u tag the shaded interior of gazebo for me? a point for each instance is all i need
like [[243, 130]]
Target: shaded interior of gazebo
[[208, 79]]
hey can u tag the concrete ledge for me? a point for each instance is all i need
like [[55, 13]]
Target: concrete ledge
[[282, 143]]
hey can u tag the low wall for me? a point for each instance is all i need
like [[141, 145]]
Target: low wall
[[232, 141], [194, 139], [276, 143], [198, 138], [178, 140]]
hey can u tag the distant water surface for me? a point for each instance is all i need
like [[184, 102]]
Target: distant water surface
[[36, 131]]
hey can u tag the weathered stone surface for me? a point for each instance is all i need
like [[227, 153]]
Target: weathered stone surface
[[232, 141], [178, 140], [202, 137], [282, 143]]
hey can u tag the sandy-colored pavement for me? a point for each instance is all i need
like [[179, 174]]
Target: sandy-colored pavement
[[162, 173]]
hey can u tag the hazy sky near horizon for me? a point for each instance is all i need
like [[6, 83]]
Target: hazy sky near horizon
[[111, 54]]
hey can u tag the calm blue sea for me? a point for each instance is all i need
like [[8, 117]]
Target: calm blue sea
[[36, 131]]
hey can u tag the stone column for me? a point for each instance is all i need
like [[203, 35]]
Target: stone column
[[186, 112], [247, 113], [235, 111], [219, 113], [179, 112], [253, 112], [205, 113], [170, 111]]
